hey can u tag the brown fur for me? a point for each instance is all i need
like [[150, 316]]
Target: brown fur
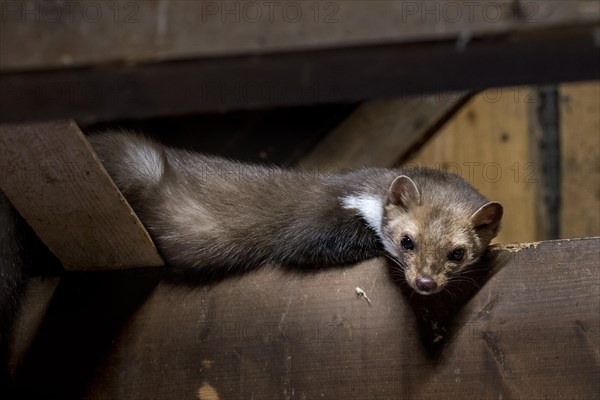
[[211, 214], [447, 214]]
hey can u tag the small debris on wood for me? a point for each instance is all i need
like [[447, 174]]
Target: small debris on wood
[[361, 293]]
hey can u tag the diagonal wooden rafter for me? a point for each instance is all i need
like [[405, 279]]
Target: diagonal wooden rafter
[[382, 132], [54, 179]]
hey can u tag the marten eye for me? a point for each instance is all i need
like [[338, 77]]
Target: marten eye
[[407, 243], [456, 255]]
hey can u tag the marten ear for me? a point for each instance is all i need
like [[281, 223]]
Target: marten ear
[[486, 220], [404, 193]]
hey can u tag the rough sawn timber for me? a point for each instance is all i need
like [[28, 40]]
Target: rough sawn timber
[[531, 332], [53, 178]]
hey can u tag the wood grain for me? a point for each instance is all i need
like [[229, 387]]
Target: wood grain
[[52, 177], [488, 144], [381, 132], [532, 331], [76, 34], [507, 52], [580, 162]]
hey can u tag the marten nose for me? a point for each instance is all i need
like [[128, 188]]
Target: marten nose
[[425, 284]]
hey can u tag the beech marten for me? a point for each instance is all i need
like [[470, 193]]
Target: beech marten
[[207, 212]]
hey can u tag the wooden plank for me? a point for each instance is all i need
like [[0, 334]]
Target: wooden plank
[[580, 163], [381, 132], [532, 331], [544, 153], [53, 178], [464, 61], [488, 143], [86, 33]]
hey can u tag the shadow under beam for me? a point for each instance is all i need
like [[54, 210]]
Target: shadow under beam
[[85, 316]]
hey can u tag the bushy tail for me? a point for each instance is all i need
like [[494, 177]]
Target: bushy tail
[[133, 161]]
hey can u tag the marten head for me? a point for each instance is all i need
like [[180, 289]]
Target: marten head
[[436, 226]]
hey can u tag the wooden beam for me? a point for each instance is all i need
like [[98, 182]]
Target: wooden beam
[[54, 179], [401, 52], [80, 34], [381, 132], [542, 153], [531, 331], [580, 159]]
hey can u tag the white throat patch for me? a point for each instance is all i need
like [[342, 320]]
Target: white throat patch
[[370, 208]]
